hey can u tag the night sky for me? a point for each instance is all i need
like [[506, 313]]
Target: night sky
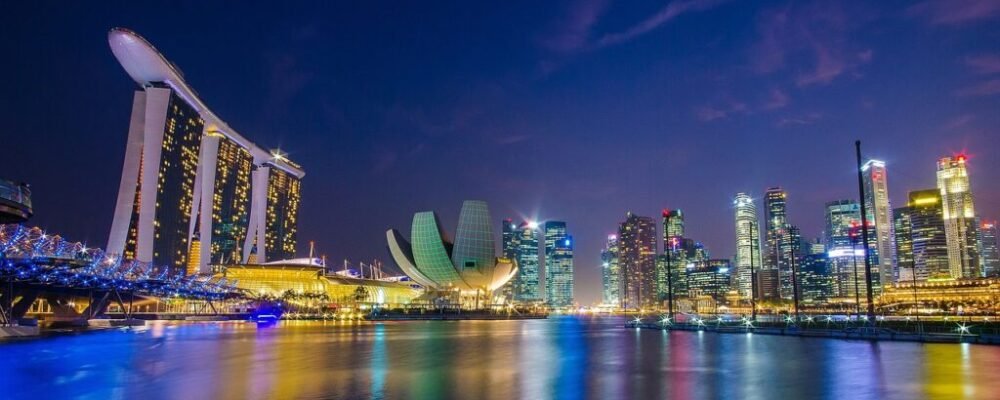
[[577, 111]]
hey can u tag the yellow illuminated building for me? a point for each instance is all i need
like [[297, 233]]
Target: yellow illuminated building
[[984, 292], [194, 258], [283, 197], [277, 279]]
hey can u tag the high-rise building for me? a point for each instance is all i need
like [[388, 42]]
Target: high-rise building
[[880, 218], [610, 273], [991, 249], [845, 254], [779, 239], [790, 253], [814, 278], [558, 265], [747, 243], [187, 174], [673, 257], [509, 251], [921, 241], [709, 278], [527, 279], [673, 225], [507, 238], [775, 224], [959, 217], [637, 261]]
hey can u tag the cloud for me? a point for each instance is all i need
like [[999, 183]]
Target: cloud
[[511, 139], [778, 99], [575, 33], [958, 122], [671, 11], [817, 32], [712, 113], [574, 30], [707, 113], [985, 88], [384, 160], [954, 12], [807, 119], [985, 64]]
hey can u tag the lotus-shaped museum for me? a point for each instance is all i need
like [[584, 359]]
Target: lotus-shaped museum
[[468, 264]]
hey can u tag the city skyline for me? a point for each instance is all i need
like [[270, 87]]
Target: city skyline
[[274, 101]]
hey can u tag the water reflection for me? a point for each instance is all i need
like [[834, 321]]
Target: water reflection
[[564, 357]]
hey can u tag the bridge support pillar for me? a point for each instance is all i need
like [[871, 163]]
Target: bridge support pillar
[[98, 305], [23, 304]]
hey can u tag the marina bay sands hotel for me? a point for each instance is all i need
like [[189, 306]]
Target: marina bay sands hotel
[[193, 191]]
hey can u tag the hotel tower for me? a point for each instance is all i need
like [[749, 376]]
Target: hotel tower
[[193, 191]]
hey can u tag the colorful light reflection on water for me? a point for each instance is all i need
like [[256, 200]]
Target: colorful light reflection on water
[[565, 357]]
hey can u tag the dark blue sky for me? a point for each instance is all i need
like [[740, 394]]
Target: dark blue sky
[[565, 110]]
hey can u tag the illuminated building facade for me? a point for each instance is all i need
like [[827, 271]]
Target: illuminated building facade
[[991, 249], [276, 279], [468, 265], [637, 261], [814, 278], [674, 256], [187, 174], [779, 241], [959, 217], [975, 295], [921, 240], [673, 225], [509, 250], [527, 281], [558, 265], [843, 217], [880, 217], [230, 201], [610, 272], [710, 278], [747, 243]]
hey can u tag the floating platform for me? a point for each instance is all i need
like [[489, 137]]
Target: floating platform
[[206, 318], [452, 317], [115, 323], [18, 331]]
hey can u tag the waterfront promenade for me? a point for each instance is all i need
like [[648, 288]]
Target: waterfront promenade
[[908, 329]]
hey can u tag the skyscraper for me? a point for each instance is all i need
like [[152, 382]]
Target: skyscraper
[[790, 252], [673, 224], [778, 240], [558, 265], [747, 243], [843, 221], [959, 217], [188, 175], [526, 282], [991, 249], [509, 251], [880, 217], [507, 238], [921, 242], [610, 273], [637, 261], [815, 281], [673, 257]]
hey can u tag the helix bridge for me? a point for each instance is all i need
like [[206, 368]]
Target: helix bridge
[[33, 261]]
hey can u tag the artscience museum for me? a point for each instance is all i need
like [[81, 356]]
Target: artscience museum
[[468, 265]]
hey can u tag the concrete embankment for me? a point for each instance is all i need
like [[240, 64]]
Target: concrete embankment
[[856, 333], [453, 317]]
